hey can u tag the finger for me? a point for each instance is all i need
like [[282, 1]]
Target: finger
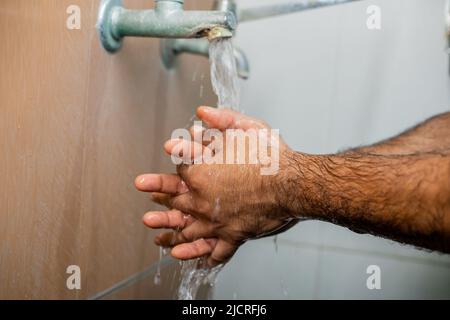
[[196, 132], [246, 123], [163, 199], [164, 183], [172, 219], [228, 119], [216, 118], [183, 202], [222, 252], [196, 249], [197, 230], [188, 151]]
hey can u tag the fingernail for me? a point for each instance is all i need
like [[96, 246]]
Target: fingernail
[[139, 180], [209, 109], [149, 217]]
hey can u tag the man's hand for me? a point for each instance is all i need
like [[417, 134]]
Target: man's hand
[[397, 189], [215, 208]]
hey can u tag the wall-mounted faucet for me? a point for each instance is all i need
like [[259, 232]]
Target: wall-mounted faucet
[[169, 20], [171, 48]]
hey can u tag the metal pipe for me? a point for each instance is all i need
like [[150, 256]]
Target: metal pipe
[[169, 24], [167, 20], [257, 13], [226, 5]]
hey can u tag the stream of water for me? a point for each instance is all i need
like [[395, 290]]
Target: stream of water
[[194, 275], [224, 79]]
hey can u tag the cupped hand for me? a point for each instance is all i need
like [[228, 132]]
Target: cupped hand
[[215, 207]]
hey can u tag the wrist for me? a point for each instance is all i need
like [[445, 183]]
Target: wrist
[[301, 182]]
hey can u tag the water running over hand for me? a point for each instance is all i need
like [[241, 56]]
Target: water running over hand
[[224, 79]]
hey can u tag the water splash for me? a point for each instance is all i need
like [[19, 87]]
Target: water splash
[[275, 243], [162, 253], [157, 277], [225, 82], [284, 289], [194, 274]]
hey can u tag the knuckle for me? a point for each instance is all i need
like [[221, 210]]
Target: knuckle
[[185, 235], [198, 180], [218, 259], [177, 203], [203, 207], [198, 247]]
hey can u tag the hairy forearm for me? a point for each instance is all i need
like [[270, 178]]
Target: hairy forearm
[[404, 198], [429, 136]]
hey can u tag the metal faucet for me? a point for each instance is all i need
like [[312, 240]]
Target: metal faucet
[[169, 20], [171, 48]]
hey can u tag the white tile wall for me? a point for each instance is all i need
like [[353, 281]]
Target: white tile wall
[[343, 276], [330, 83], [259, 271]]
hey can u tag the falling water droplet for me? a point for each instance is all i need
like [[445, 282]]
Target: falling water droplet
[[275, 243], [157, 278], [284, 289]]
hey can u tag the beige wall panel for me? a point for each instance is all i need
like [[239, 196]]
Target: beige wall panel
[[76, 126]]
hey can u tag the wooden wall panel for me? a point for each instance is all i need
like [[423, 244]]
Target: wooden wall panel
[[76, 126]]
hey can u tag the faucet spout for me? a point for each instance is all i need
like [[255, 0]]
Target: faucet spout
[[167, 20], [172, 48]]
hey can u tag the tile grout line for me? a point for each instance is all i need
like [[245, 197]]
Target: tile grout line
[[132, 279]]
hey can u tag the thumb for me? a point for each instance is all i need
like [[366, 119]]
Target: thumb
[[223, 119], [217, 118]]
